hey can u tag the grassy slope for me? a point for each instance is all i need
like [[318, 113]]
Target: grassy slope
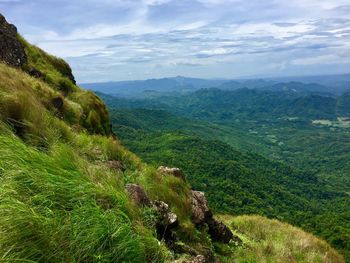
[[59, 200], [271, 241]]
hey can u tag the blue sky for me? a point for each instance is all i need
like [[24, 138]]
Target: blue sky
[[107, 40]]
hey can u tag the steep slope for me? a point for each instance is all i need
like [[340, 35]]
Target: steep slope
[[70, 192], [63, 177]]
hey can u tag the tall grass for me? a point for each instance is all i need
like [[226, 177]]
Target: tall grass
[[58, 207], [271, 241]]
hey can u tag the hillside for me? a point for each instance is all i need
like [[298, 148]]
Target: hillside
[[71, 192], [312, 195]]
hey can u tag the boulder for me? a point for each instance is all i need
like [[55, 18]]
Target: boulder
[[57, 102], [11, 49], [36, 73], [219, 231], [200, 208], [167, 221], [138, 195], [201, 214], [168, 218], [172, 172]]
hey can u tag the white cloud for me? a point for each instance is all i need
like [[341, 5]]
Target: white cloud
[[244, 37]]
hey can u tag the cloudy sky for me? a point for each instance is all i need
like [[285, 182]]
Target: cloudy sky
[[137, 39]]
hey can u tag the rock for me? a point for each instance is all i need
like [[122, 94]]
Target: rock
[[219, 231], [195, 259], [171, 171], [57, 102], [115, 165], [169, 219], [36, 73], [11, 49], [166, 222], [199, 259], [201, 214], [200, 209], [181, 248], [138, 195]]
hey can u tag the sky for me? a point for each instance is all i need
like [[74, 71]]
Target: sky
[[111, 40]]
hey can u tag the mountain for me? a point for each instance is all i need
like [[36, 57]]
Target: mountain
[[71, 192], [337, 84], [333, 85], [175, 85]]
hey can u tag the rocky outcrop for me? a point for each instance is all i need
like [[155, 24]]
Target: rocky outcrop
[[201, 214], [218, 231], [167, 221], [138, 195], [200, 207], [11, 49], [57, 102], [171, 171], [36, 73]]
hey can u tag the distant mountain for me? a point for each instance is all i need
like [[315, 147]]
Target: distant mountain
[[250, 104], [136, 88], [333, 84]]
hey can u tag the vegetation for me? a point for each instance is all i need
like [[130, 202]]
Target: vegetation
[[62, 201], [217, 154], [272, 241], [92, 112]]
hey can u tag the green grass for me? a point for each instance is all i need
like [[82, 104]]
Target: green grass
[[57, 207], [271, 241]]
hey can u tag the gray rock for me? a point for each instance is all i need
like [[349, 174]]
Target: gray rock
[[201, 214], [138, 195], [218, 231], [11, 49], [200, 209], [172, 172], [168, 218], [167, 221]]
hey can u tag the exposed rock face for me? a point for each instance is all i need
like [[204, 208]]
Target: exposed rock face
[[167, 221], [171, 171], [201, 214], [36, 73], [200, 207], [11, 49], [57, 102], [138, 195], [219, 231]]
